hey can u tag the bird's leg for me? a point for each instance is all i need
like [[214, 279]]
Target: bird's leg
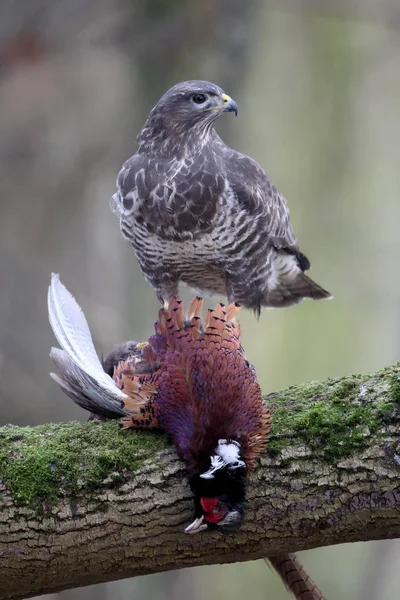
[[248, 294], [166, 289]]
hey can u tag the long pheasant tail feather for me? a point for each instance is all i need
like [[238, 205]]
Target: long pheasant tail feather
[[170, 320], [295, 577], [161, 325], [232, 330], [221, 322], [217, 325]]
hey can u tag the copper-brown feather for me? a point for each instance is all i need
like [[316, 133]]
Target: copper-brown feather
[[295, 577]]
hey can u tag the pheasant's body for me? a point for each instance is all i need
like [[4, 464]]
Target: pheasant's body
[[204, 388]]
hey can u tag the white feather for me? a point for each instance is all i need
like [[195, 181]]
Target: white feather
[[229, 452], [216, 464], [285, 269], [72, 332]]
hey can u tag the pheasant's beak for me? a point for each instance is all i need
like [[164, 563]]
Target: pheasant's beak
[[196, 526]]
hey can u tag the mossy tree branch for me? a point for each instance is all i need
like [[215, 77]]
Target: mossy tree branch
[[86, 503]]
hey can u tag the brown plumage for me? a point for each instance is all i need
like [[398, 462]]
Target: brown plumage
[[198, 212], [193, 381]]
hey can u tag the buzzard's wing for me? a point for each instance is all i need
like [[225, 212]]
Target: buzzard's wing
[[261, 201], [257, 196], [132, 187], [176, 199]]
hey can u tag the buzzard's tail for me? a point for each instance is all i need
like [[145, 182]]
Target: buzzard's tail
[[292, 292], [307, 288]]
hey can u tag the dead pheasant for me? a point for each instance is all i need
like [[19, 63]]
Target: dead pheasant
[[191, 380]]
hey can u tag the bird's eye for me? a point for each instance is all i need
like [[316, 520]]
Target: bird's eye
[[199, 98]]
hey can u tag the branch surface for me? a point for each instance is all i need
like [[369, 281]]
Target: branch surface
[[87, 503]]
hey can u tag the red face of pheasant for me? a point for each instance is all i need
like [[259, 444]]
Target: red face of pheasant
[[204, 394]]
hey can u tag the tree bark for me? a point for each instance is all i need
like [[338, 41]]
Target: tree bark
[[88, 503]]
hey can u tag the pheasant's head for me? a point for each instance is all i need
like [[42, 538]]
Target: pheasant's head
[[219, 493]]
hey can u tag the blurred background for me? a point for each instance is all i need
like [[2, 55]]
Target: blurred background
[[318, 88]]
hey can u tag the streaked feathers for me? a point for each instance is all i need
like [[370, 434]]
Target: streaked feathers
[[198, 212]]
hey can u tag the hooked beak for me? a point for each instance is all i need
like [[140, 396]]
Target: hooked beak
[[229, 105], [196, 526]]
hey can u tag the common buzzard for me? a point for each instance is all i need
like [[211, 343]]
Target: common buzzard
[[197, 211]]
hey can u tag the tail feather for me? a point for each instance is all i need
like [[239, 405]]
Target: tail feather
[[232, 310], [308, 288], [295, 577], [293, 291]]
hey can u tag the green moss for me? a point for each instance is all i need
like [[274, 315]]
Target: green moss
[[41, 464], [325, 416], [394, 389]]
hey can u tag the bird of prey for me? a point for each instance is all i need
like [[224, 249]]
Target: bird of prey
[[198, 212], [193, 381]]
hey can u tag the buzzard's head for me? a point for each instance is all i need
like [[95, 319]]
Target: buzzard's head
[[190, 106]]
